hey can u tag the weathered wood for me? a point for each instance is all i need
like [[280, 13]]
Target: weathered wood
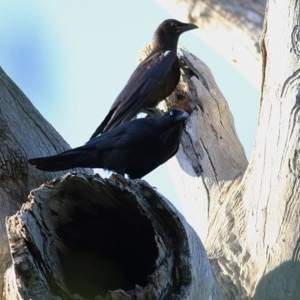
[[24, 133], [209, 136], [211, 153], [253, 222], [82, 237], [247, 214]]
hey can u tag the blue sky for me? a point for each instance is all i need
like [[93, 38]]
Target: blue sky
[[72, 58]]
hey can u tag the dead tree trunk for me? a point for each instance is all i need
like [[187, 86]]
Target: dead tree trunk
[[247, 215], [24, 133], [82, 237], [76, 229], [129, 223], [250, 227]]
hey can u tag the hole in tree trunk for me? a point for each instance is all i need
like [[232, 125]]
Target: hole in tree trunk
[[108, 247]]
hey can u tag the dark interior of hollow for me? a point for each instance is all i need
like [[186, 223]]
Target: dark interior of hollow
[[107, 249]]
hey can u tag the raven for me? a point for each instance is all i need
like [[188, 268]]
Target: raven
[[153, 80], [134, 148]]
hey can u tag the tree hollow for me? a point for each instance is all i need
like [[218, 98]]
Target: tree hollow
[[91, 238]]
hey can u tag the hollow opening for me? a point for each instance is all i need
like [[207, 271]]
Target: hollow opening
[[107, 248]]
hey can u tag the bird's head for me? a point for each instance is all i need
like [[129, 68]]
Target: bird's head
[[176, 115], [168, 32]]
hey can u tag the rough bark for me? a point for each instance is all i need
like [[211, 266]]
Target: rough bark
[[23, 133], [231, 27], [82, 237], [211, 153], [46, 235], [246, 214], [253, 222]]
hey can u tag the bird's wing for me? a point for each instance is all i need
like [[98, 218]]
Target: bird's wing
[[144, 79], [134, 95], [126, 134]]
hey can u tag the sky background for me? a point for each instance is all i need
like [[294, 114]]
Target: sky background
[[72, 58]]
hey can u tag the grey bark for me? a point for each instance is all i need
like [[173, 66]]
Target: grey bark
[[250, 227], [247, 215], [82, 237], [211, 154], [24, 133], [47, 234], [17, 141]]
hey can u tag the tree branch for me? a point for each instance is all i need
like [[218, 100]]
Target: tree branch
[[24, 133]]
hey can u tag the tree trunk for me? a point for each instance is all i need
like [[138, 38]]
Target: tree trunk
[[247, 215], [250, 227], [24, 133], [211, 154], [82, 237], [49, 234]]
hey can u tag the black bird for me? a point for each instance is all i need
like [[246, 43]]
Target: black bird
[[153, 80], [134, 148]]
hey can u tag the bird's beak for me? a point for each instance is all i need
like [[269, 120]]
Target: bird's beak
[[183, 116], [187, 26]]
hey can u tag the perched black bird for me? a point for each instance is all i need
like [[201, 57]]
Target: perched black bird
[[153, 80], [134, 148]]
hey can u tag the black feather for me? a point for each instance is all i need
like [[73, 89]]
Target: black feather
[[153, 80], [134, 148]]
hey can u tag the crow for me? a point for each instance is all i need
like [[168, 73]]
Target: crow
[[134, 148], [153, 80]]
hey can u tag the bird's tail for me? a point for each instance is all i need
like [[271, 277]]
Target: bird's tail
[[63, 161]]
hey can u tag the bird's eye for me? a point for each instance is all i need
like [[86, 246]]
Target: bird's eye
[[172, 24], [171, 113]]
